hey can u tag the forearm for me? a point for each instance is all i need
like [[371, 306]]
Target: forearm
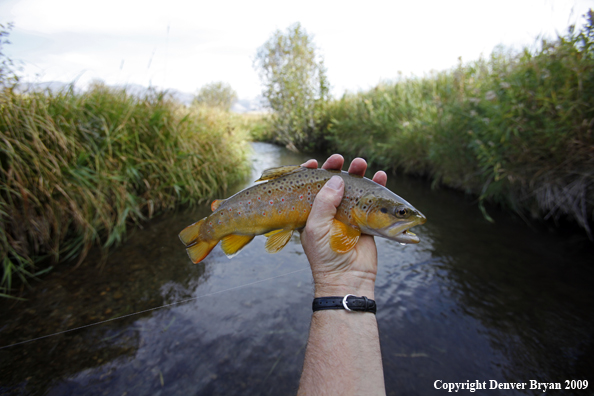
[[343, 355], [343, 351]]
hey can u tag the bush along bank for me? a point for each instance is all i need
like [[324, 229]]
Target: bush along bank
[[515, 129], [77, 169]]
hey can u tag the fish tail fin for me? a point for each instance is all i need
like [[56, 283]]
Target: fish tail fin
[[190, 235], [200, 250], [197, 249]]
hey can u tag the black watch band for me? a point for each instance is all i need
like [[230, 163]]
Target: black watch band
[[348, 302]]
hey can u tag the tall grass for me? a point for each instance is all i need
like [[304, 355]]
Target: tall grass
[[515, 128], [77, 169]]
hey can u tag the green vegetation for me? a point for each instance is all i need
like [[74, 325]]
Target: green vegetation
[[216, 94], [256, 125], [295, 86], [77, 169], [515, 129]]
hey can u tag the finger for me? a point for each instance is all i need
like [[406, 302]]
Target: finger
[[334, 162], [325, 204], [358, 167], [380, 178], [312, 163]]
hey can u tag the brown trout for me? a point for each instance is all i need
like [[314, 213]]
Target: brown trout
[[282, 204]]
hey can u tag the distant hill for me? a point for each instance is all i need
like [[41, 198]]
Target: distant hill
[[242, 105]]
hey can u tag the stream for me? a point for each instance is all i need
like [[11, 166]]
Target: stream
[[505, 302]]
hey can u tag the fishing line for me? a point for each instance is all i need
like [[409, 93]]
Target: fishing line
[[152, 309]]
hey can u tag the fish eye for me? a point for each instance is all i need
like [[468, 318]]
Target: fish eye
[[384, 210], [401, 212]]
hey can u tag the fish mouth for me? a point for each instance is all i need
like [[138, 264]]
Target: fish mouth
[[400, 232], [406, 236]]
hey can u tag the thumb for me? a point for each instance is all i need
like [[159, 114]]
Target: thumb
[[325, 204]]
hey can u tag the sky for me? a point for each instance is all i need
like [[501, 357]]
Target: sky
[[186, 44]]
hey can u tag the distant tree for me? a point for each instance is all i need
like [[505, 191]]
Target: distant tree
[[216, 94], [8, 77], [295, 86]]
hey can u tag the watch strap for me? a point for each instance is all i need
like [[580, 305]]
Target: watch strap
[[348, 302]]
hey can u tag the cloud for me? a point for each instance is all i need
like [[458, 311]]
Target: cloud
[[185, 44]]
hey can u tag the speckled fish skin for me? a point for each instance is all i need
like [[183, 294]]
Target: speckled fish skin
[[282, 204]]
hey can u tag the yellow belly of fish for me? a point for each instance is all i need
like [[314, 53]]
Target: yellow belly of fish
[[275, 209], [259, 220]]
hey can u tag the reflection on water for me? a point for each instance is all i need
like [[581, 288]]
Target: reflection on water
[[472, 301]]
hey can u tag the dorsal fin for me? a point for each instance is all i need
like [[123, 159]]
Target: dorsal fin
[[216, 203], [273, 173]]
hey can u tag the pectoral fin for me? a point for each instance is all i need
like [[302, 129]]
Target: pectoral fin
[[343, 237], [277, 240], [233, 243]]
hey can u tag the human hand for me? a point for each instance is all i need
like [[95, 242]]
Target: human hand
[[338, 274]]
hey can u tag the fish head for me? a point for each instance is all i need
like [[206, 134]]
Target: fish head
[[389, 217]]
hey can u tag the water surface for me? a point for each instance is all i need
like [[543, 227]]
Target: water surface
[[472, 301]]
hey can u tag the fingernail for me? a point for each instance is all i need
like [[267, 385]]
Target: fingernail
[[335, 182]]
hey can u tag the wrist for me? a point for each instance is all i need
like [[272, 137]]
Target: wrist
[[343, 284]]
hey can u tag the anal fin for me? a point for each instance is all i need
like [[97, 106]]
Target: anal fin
[[233, 243], [343, 237], [277, 240]]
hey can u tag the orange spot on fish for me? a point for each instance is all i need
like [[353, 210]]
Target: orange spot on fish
[[271, 202], [263, 213], [301, 197]]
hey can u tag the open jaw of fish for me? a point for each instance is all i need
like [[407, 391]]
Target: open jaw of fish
[[399, 232], [282, 203]]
